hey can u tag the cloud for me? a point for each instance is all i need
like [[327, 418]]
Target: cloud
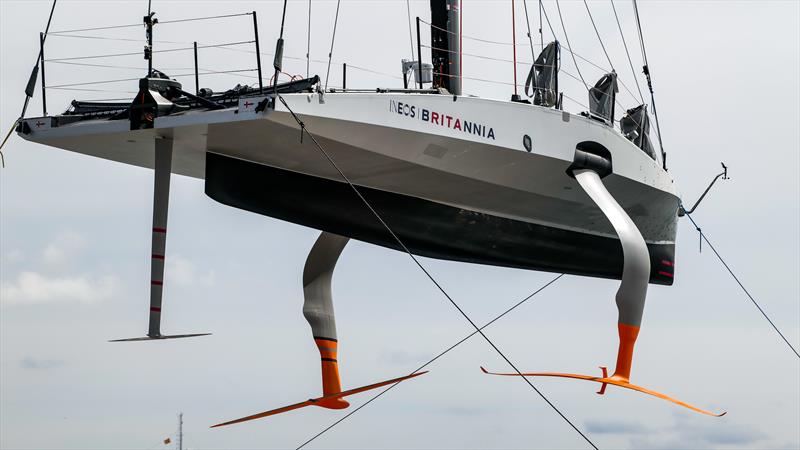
[[686, 433], [183, 272], [614, 427], [34, 288], [63, 247], [14, 256], [40, 364]]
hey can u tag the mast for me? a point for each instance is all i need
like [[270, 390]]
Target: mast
[[446, 45]]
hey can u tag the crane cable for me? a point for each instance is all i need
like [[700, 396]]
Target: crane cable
[[703, 237], [430, 361], [346, 179]]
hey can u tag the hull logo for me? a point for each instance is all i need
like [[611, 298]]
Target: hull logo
[[441, 119]]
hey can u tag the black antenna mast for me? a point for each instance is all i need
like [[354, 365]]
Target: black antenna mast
[[149, 21]]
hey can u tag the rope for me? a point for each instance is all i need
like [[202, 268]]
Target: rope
[[424, 270], [193, 19], [111, 55], [649, 84], [598, 35], [92, 90], [333, 39], [630, 61], [566, 36], [308, 44], [410, 34], [730, 271], [110, 27], [430, 361], [119, 80], [8, 135], [528, 23]]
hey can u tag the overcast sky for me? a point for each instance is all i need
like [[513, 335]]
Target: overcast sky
[[75, 246]]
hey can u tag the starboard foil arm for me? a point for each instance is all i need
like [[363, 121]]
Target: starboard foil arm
[[632, 290], [590, 166], [606, 381]]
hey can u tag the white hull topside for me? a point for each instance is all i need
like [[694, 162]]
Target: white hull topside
[[459, 151]]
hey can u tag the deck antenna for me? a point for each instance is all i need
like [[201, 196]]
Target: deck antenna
[[180, 431], [149, 21]]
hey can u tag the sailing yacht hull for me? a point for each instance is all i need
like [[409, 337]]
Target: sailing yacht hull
[[452, 176]]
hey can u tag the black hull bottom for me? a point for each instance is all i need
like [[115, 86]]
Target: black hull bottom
[[427, 228]]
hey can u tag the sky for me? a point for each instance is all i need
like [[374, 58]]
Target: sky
[[75, 243]]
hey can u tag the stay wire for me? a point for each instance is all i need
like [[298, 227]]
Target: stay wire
[[333, 39], [597, 32], [625, 44], [646, 69], [308, 44], [730, 271], [432, 360], [566, 36], [425, 271], [528, 23], [410, 34]]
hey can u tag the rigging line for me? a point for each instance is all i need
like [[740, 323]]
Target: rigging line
[[704, 237], [308, 44], [87, 83], [465, 36], [103, 38], [597, 32], [630, 61], [432, 360], [566, 36], [402, 245], [91, 90], [410, 34], [193, 19], [646, 70], [514, 42], [278, 61], [35, 71], [154, 51], [333, 39], [547, 19], [528, 22], [541, 34], [98, 28], [114, 39]]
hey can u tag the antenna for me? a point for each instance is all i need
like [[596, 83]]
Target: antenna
[[149, 21], [180, 431]]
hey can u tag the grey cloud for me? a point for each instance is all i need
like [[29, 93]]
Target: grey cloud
[[40, 364], [614, 427]]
